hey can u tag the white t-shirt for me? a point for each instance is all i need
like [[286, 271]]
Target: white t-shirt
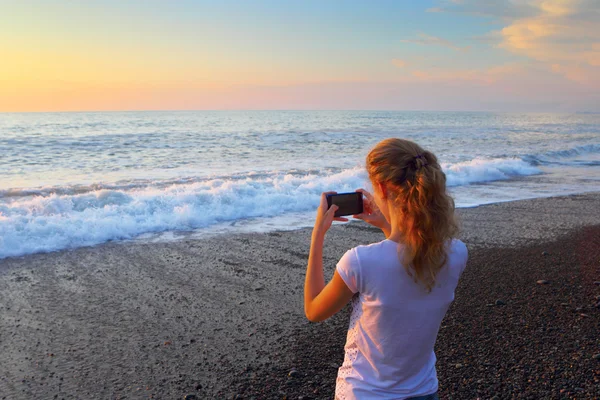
[[394, 323]]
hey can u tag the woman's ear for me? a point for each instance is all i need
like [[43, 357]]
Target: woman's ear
[[382, 189]]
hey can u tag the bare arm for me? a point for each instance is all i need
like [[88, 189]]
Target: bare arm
[[322, 301]]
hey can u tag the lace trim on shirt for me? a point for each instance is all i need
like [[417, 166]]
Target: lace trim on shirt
[[343, 390]]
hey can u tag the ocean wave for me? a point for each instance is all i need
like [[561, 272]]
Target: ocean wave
[[565, 156], [130, 184], [42, 221], [58, 221], [481, 170]]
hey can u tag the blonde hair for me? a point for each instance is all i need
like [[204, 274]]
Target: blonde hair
[[417, 187]]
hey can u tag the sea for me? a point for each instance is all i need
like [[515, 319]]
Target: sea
[[69, 180]]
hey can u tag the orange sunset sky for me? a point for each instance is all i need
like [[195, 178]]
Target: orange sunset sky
[[521, 55]]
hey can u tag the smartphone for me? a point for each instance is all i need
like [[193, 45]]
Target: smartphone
[[348, 203]]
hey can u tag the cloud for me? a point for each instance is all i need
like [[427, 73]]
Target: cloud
[[563, 35], [560, 35], [399, 63], [428, 40]]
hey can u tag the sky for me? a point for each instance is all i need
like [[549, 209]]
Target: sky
[[471, 55]]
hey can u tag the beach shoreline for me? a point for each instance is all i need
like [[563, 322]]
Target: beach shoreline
[[222, 316]]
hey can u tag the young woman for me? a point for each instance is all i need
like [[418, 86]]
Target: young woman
[[403, 284]]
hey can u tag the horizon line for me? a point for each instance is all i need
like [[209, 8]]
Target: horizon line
[[301, 110]]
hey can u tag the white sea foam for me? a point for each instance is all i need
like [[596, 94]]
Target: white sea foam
[[487, 170], [45, 223], [40, 223]]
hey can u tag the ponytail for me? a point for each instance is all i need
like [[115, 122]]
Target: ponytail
[[417, 187]]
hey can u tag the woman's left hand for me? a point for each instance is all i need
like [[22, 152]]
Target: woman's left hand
[[325, 216]]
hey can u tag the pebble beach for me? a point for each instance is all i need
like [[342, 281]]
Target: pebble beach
[[222, 317]]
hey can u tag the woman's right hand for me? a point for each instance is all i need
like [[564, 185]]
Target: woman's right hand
[[371, 214]]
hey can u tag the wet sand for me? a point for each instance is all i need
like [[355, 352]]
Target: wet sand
[[222, 317]]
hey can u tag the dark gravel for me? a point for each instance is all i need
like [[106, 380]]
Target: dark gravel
[[542, 343]]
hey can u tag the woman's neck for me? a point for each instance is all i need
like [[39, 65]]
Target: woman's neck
[[394, 220]]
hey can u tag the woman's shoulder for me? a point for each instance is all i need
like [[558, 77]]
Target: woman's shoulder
[[376, 245], [458, 253], [458, 246], [375, 249]]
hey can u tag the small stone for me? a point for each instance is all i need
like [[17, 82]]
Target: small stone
[[293, 374], [458, 365], [542, 282], [500, 303]]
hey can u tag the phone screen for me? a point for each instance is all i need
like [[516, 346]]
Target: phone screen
[[348, 203]]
